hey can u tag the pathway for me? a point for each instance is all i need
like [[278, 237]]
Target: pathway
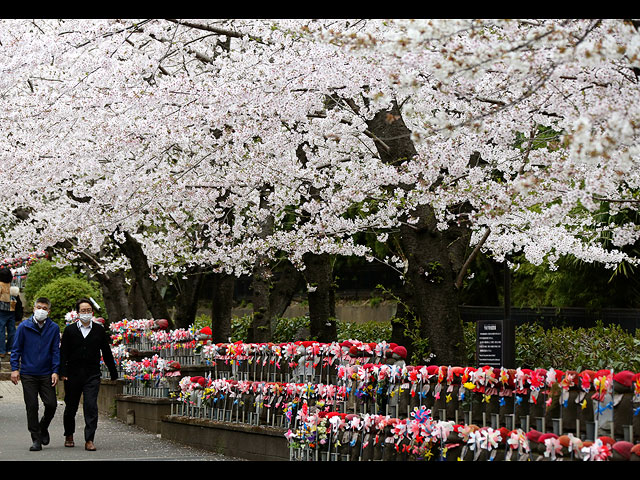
[[114, 440]]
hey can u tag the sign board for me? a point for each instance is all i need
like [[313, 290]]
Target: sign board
[[489, 343]]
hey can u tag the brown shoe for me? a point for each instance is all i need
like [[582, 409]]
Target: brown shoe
[[90, 446], [68, 441]]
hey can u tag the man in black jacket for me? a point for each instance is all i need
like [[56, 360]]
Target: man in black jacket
[[82, 345]]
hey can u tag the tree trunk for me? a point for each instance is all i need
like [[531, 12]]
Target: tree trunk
[[221, 306], [318, 274], [434, 257], [430, 289], [115, 295], [272, 293], [137, 305], [288, 282], [187, 298], [401, 326], [148, 288], [322, 312], [261, 329]]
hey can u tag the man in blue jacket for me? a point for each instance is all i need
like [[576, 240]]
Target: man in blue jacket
[[35, 360]]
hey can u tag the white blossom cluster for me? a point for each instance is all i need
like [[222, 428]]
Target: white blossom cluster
[[189, 135]]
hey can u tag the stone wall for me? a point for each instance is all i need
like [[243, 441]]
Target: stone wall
[[235, 440], [248, 442]]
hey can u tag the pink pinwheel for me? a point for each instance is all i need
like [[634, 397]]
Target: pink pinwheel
[[489, 438], [331, 392], [597, 452], [551, 377], [536, 380], [414, 428], [335, 421], [381, 422], [399, 429], [442, 429], [553, 448], [520, 379], [465, 432], [356, 423], [514, 440], [367, 421], [449, 375], [575, 445], [473, 440]]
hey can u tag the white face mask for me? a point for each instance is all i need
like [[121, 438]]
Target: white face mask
[[40, 314], [85, 318]]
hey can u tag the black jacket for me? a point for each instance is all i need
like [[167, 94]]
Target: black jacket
[[19, 310], [80, 356]]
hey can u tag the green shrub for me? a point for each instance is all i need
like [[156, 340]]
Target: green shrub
[[240, 328], [202, 321], [65, 292], [287, 329], [239, 325], [469, 333], [566, 348], [365, 332], [41, 273]]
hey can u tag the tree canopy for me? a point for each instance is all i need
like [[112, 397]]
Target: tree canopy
[[219, 143]]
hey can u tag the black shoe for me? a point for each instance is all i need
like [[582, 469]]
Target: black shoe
[[44, 437], [36, 447]]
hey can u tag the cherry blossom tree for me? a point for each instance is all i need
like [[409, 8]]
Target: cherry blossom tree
[[226, 144]]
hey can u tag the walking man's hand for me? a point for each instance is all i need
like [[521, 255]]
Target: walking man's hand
[[15, 377], [54, 379]]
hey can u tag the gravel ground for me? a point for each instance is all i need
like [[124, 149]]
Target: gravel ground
[[114, 440]]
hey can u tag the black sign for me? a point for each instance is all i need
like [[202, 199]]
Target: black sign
[[489, 343]]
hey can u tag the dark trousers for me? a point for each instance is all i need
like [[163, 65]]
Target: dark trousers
[[32, 387], [86, 386]]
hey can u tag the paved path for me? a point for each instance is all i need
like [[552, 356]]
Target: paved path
[[114, 440]]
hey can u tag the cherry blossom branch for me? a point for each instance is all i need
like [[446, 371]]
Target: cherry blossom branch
[[472, 257], [216, 30]]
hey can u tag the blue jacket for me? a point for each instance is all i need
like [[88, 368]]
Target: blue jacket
[[35, 351]]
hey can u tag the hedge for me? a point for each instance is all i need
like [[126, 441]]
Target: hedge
[[41, 273]]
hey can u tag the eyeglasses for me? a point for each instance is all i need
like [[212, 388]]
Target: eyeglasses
[[85, 310]]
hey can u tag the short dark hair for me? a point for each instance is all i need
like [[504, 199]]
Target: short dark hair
[[83, 300], [5, 275], [44, 300]]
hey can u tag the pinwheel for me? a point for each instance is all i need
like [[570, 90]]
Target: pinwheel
[[488, 438], [602, 383], [596, 452], [553, 448]]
